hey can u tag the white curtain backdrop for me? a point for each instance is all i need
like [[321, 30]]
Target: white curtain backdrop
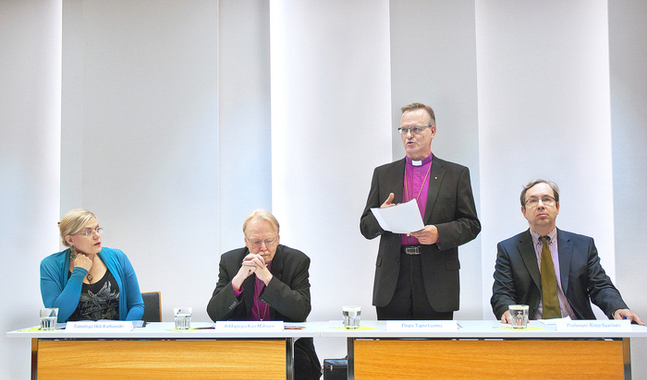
[[172, 120], [544, 112], [331, 126], [30, 148]]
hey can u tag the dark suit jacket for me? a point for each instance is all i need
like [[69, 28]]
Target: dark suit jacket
[[450, 207], [287, 294], [517, 279]]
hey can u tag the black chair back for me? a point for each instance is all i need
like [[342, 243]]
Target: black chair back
[[152, 306]]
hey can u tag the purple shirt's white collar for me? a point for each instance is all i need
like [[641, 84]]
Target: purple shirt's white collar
[[424, 161]]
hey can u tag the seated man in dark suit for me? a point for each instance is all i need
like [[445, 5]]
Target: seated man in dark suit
[[562, 285], [266, 281]]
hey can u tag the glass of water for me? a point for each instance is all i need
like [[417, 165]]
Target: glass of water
[[352, 315], [182, 317], [48, 318], [519, 316]]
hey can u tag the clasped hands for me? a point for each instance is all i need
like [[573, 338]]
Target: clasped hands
[[427, 235], [252, 263]]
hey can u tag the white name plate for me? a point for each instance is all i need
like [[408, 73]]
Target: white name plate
[[99, 326], [620, 325], [249, 326], [421, 326]]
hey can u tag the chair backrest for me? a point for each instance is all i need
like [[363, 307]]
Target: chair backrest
[[152, 306]]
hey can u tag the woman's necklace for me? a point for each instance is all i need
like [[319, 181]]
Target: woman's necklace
[[73, 256], [406, 181]]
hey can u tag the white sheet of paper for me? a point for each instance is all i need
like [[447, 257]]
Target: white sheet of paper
[[399, 219]]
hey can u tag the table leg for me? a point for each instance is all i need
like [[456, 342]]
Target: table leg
[[626, 357], [350, 369], [34, 359], [289, 358]]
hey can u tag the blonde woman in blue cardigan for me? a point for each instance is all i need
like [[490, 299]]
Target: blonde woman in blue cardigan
[[88, 281]]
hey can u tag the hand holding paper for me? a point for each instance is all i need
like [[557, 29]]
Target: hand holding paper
[[428, 235], [403, 218]]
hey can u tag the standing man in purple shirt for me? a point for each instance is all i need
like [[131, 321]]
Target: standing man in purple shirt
[[416, 275]]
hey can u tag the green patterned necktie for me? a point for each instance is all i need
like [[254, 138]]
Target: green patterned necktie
[[549, 298]]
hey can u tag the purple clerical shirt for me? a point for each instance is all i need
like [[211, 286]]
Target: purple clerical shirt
[[416, 185], [260, 310]]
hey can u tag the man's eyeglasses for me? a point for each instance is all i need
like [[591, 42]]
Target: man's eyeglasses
[[414, 130], [267, 242], [534, 202], [97, 230]]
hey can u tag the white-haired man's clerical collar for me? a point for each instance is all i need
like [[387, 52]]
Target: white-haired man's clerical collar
[[424, 161]]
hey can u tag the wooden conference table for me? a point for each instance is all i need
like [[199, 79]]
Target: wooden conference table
[[476, 350], [487, 350], [157, 351]]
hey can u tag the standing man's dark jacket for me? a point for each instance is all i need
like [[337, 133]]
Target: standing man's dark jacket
[[450, 207]]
